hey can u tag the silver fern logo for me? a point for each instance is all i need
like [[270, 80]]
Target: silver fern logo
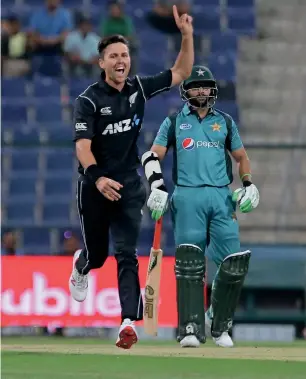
[[132, 98]]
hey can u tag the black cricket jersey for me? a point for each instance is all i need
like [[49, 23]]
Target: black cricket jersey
[[112, 120]]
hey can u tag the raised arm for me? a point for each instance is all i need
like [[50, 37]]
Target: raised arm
[[185, 60], [153, 85]]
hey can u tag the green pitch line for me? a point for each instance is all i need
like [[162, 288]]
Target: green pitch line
[[50, 366], [97, 341]]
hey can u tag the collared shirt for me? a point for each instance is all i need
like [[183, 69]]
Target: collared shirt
[[84, 46], [200, 146], [51, 24], [117, 25], [112, 120]]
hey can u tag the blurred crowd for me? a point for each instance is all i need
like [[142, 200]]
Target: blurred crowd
[[66, 42], [10, 244]]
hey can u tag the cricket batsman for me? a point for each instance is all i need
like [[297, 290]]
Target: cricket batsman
[[203, 207]]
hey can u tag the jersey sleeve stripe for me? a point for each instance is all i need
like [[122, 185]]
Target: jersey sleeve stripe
[[160, 90], [139, 81], [93, 104]]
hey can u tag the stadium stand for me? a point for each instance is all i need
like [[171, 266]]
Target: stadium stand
[[36, 120], [271, 93]]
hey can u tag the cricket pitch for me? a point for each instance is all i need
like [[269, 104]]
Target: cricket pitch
[[260, 353]]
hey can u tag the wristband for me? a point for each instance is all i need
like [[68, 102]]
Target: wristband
[[93, 172], [247, 183], [163, 188], [244, 175]]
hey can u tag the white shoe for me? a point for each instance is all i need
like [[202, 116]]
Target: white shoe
[[190, 341], [224, 340], [78, 283], [127, 335]]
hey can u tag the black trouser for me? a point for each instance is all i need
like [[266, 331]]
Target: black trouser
[[122, 218]]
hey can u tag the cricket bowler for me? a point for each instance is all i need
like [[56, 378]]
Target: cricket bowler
[[108, 117], [203, 207]]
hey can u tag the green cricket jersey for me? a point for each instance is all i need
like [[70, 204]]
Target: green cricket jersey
[[200, 147]]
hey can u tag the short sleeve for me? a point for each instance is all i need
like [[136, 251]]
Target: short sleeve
[[83, 118], [104, 29], [129, 27], [153, 85], [94, 45], [69, 43], [67, 24], [164, 136], [235, 142], [33, 26]]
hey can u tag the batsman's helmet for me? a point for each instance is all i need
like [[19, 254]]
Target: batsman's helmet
[[201, 77]]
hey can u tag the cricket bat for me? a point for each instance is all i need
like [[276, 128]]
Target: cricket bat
[[150, 311]]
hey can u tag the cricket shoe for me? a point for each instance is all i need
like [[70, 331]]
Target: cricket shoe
[[190, 341], [127, 335], [224, 340], [78, 283]]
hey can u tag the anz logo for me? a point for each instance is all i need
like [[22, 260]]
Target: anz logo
[[122, 126]]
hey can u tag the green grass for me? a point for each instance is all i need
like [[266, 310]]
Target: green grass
[[101, 360], [60, 366], [97, 341]]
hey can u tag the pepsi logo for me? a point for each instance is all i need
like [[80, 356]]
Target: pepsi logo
[[185, 126], [188, 144]]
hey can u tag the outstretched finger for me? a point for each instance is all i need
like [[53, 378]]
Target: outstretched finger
[[176, 15]]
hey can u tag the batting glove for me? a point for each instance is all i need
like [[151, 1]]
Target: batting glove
[[247, 197], [158, 202]]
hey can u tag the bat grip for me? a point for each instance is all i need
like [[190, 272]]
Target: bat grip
[[157, 234]]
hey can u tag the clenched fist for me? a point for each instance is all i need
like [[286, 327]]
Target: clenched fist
[[158, 203], [247, 198]]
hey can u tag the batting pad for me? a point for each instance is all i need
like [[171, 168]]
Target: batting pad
[[226, 290], [189, 272]]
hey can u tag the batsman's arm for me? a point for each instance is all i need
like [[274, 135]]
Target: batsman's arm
[[158, 199], [244, 165], [151, 159], [160, 151], [239, 153], [247, 197]]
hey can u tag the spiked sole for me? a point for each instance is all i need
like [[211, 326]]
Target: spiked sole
[[127, 338]]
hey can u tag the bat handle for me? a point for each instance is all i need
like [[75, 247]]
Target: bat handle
[[157, 234]]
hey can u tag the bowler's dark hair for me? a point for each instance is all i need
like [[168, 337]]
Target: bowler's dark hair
[[106, 41]]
